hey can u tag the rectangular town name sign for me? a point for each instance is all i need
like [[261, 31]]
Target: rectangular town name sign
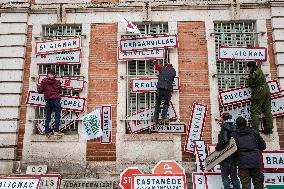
[[66, 57], [58, 45], [67, 102], [148, 43], [66, 82], [243, 53], [141, 55], [148, 84], [243, 94]]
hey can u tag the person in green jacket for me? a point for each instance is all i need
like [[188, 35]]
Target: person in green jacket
[[260, 98]]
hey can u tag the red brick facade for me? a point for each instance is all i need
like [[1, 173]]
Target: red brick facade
[[193, 73], [103, 84], [273, 70], [25, 90]]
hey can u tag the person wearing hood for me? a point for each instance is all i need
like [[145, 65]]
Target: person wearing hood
[[229, 165], [249, 144], [164, 89], [260, 98], [51, 88]]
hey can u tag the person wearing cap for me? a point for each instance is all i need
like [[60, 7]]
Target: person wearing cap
[[228, 166], [51, 88], [164, 89], [249, 144], [260, 98]]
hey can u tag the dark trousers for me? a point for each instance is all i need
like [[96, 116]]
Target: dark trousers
[[229, 174], [52, 105], [256, 175], [162, 95]]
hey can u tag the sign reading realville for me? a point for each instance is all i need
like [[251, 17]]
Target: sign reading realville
[[147, 43]]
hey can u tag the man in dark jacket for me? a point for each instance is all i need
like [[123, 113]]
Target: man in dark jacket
[[164, 89], [249, 144], [51, 88], [229, 165], [260, 98]]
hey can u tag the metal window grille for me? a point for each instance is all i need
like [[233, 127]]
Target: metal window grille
[[68, 70], [136, 102], [231, 74]]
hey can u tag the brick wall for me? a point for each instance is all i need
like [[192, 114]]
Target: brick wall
[[25, 89], [273, 70], [103, 84], [193, 73]]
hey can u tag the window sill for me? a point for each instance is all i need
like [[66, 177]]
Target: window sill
[[52, 138], [149, 137]]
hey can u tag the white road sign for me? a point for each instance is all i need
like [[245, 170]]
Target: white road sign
[[66, 57], [141, 120], [67, 102], [106, 123], [172, 127], [243, 94], [141, 55], [148, 43], [148, 84], [242, 53], [58, 45], [273, 160], [196, 126]]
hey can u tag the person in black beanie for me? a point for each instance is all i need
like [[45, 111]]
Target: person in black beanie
[[249, 144]]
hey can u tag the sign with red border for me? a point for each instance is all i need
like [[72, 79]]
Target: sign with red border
[[198, 180], [141, 120], [172, 127], [243, 94], [58, 45], [149, 84], [67, 102], [126, 177], [242, 53], [159, 181], [106, 124], [210, 150], [273, 178], [67, 119], [213, 181], [19, 182], [273, 161], [76, 84], [141, 55], [149, 43], [196, 126], [66, 57], [200, 154]]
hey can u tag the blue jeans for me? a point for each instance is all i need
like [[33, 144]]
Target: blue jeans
[[229, 168], [52, 105]]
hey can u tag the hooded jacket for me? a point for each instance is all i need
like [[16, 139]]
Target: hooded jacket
[[227, 128], [51, 88], [249, 144], [166, 77]]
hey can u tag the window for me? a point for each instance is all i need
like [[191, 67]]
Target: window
[[136, 102], [68, 70], [231, 74]]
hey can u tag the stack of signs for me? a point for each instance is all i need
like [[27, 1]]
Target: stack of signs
[[196, 126], [146, 48], [166, 174], [242, 97], [60, 51]]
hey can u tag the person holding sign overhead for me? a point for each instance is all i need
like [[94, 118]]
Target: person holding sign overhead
[[51, 88], [260, 98], [164, 89]]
